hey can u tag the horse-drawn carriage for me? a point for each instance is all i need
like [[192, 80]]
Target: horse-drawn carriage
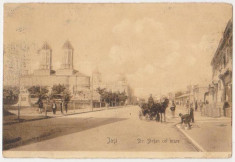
[[153, 111]]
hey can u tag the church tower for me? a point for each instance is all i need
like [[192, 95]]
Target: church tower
[[45, 66], [68, 56], [45, 57], [67, 62]]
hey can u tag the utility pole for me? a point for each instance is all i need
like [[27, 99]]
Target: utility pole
[[74, 104], [19, 103], [92, 92], [47, 102]]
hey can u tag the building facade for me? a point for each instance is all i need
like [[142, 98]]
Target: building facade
[[77, 83], [220, 90], [199, 92], [182, 100]]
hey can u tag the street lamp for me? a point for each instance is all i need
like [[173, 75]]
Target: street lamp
[[92, 92], [19, 103]]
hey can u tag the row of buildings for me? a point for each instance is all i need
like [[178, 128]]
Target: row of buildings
[[217, 96], [220, 89], [82, 87], [194, 93]]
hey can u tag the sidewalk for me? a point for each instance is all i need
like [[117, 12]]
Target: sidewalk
[[207, 134], [32, 114]]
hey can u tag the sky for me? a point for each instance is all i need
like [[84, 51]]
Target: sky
[[159, 47]]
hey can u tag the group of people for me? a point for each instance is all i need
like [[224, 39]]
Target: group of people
[[63, 106], [185, 118]]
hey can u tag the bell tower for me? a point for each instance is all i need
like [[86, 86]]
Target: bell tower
[[68, 56], [67, 62], [45, 66], [45, 57]]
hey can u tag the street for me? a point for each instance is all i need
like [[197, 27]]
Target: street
[[117, 129]]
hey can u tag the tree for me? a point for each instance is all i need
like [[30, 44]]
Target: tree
[[122, 97], [10, 94], [112, 98], [39, 91], [60, 92], [101, 92], [58, 89]]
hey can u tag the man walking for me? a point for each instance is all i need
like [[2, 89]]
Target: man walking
[[187, 106], [191, 113], [173, 109], [196, 105], [201, 106], [54, 107], [61, 106], [40, 105]]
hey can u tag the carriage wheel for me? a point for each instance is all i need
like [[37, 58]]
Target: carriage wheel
[[147, 117]]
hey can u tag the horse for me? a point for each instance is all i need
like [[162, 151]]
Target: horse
[[158, 109], [154, 110]]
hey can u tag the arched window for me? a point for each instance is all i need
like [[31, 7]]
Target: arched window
[[219, 85]]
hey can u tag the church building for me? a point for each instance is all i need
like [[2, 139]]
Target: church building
[[77, 83]]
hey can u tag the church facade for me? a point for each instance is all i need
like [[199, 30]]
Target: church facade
[[77, 83]]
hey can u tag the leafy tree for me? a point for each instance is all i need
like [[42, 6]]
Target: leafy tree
[[112, 98], [39, 91], [122, 97], [10, 94], [67, 96], [102, 92], [60, 92], [58, 89]]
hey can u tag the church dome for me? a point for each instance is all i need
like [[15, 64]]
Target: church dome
[[67, 45], [46, 46]]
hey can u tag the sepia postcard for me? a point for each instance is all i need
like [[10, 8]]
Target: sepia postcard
[[117, 80]]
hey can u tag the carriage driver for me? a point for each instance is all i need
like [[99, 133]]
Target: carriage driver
[[150, 101]]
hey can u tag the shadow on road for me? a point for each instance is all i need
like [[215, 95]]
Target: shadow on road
[[30, 132]]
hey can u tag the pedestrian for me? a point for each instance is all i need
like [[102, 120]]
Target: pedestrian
[[61, 106], [191, 113], [54, 107], [173, 109], [150, 101], [225, 106], [66, 107], [196, 105], [201, 106], [187, 106], [40, 105]]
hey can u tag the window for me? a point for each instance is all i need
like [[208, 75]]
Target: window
[[227, 54], [219, 85], [224, 59]]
